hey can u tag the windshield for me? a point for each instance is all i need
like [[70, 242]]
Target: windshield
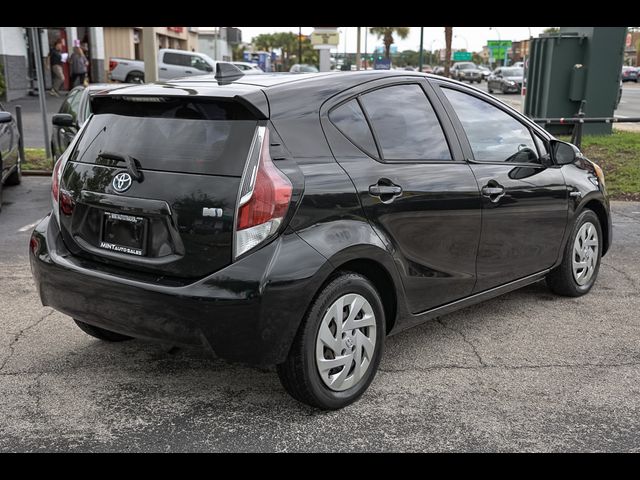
[[308, 68], [467, 66], [512, 72]]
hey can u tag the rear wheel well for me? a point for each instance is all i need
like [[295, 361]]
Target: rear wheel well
[[380, 278], [601, 212]]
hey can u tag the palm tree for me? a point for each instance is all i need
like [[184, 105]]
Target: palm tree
[[448, 33], [386, 33]]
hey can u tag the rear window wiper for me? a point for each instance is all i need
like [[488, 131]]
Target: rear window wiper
[[133, 165]]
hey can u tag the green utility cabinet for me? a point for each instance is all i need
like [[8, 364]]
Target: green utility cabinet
[[579, 63]]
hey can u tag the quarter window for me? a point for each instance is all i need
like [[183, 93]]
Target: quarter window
[[494, 135], [405, 124], [350, 120]]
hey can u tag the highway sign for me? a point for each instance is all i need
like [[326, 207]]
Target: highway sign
[[462, 56]]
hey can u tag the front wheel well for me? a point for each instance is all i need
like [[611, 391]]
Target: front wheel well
[[382, 281], [596, 207]]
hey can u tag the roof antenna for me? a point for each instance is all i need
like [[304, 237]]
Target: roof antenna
[[226, 72]]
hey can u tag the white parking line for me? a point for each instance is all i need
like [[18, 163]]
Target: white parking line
[[28, 227]]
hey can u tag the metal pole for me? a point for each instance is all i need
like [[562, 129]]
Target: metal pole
[[21, 139], [345, 46], [300, 45], [150, 49], [366, 36], [421, 49], [358, 59], [37, 51]]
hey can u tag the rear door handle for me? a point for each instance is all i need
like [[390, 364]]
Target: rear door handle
[[163, 68], [188, 71]]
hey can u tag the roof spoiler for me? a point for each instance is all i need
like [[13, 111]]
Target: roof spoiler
[[227, 72]]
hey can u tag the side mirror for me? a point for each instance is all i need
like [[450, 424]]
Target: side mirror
[[564, 153], [62, 120], [5, 117]]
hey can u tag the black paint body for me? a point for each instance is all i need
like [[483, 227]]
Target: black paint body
[[438, 246]]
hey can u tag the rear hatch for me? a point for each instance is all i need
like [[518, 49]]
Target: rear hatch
[[152, 185]]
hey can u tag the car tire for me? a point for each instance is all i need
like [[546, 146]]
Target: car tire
[[16, 176], [321, 336], [566, 279], [489, 89], [135, 77], [101, 333]]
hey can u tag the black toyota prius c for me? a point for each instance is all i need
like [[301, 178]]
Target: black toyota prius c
[[298, 220]]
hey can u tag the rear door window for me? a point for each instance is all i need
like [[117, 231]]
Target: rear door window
[[177, 59], [405, 124], [176, 136], [350, 120]]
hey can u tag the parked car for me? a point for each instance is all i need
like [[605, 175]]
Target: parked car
[[248, 68], [303, 68], [438, 71], [171, 64], [506, 79], [486, 71], [630, 74], [427, 69], [10, 161], [619, 96], [332, 210], [518, 64], [73, 112]]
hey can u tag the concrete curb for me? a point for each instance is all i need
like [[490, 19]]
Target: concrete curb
[[36, 173]]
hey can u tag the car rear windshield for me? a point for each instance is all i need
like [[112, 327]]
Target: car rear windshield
[[513, 72], [175, 136]]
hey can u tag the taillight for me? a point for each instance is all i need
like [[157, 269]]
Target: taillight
[[112, 64], [265, 196], [61, 199], [55, 184]]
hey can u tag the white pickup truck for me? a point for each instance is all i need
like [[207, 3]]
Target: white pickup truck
[[171, 64]]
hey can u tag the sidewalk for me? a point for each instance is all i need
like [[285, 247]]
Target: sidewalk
[[32, 118]]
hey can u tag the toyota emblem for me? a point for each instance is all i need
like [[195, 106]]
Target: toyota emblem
[[121, 182]]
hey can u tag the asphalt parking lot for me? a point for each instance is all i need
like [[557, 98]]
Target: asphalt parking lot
[[528, 371]]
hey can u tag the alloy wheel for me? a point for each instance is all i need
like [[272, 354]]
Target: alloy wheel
[[585, 253], [345, 342]]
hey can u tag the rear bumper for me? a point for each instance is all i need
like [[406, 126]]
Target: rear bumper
[[247, 312]]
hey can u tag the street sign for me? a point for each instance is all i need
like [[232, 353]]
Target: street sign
[[382, 64], [498, 49], [462, 56]]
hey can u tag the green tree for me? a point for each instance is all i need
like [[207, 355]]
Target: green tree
[[264, 41], [386, 33], [551, 30], [448, 34]]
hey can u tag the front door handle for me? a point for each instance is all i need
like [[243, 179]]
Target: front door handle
[[188, 71], [163, 69], [493, 191], [490, 191], [380, 190], [386, 190]]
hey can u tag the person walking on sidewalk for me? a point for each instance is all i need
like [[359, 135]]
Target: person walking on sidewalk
[[57, 73], [78, 64]]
